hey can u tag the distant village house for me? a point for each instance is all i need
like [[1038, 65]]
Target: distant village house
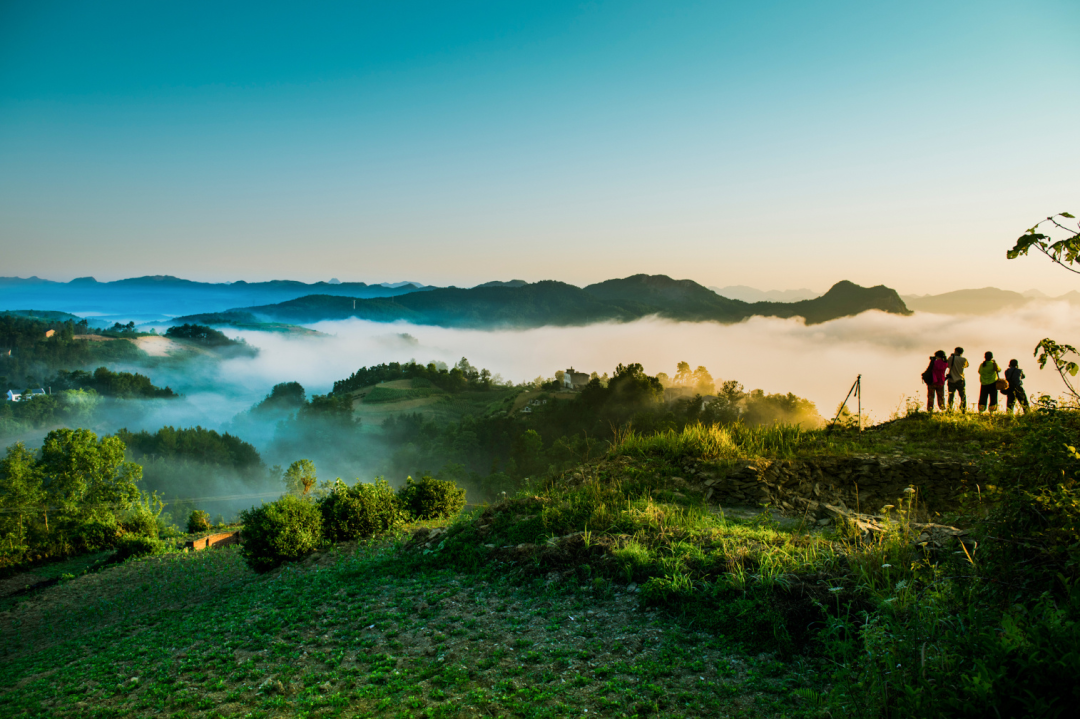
[[13, 396]]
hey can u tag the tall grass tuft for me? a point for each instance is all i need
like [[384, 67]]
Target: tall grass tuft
[[713, 442]]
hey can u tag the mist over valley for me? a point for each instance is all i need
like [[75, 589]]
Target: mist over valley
[[216, 387], [539, 360]]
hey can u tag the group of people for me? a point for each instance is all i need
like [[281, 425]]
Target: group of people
[[949, 371]]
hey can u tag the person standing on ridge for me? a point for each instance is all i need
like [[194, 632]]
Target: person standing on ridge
[[989, 371], [957, 384], [936, 386], [1015, 393]]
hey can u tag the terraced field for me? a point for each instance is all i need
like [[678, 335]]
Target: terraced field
[[366, 631]]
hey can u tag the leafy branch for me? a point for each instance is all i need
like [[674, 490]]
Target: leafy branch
[[1049, 350], [1064, 252]]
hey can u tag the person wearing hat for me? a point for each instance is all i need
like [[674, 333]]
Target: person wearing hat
[[988, 377]]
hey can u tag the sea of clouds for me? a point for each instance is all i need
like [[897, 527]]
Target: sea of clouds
[[818, 362]]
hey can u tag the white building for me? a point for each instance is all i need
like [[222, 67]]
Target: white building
[[14, 396]]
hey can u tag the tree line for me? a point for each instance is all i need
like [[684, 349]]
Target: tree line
[[27, 356], [459, 378], [498, 452]]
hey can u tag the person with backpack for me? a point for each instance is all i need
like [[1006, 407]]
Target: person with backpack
[[1015, 393], [934, 376], [957, 363], [989, 372]]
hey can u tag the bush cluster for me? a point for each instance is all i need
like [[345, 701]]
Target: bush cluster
[[98, 533], [432, 498], [198, 521], [294, 526], [280, 531], [137, 546], [362, 510]]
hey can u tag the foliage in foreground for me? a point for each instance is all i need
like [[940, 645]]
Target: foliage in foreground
[[964, 630]]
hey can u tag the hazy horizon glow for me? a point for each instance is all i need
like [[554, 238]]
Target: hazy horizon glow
[[777, 145]]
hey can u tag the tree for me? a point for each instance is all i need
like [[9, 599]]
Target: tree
[[527, 452], [199, 333], [21, 497], [284, 397], [703, 381], [1064, 252], [83, 474], [683, 375], [300, 477]]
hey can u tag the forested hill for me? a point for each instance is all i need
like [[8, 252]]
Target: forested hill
[[556, 303]]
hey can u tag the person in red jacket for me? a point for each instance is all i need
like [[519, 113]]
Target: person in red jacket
[[936, 386]]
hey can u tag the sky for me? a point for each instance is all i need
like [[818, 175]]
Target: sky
[[771, 144]]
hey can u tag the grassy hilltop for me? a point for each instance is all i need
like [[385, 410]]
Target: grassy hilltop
[[616, 587]]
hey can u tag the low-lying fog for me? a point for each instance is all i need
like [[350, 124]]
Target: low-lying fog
[[818, 362], [779, 356]]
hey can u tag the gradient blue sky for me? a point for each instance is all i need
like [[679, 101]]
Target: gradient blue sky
[[774, 144]]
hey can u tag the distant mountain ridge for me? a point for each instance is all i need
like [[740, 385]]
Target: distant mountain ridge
[[983, 301], [167, 296], [559, 304]]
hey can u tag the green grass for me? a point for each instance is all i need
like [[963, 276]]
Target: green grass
[[713, 442], [613, 588], [751, 577], [367, 632], [939, 435], [452, 408], [383, 395]]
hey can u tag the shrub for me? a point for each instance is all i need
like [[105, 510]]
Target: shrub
[[198, 521], [280, 531], [362, 510], [1047, 521], [138, 546], [97, 533], [141, 522], [432, 498]]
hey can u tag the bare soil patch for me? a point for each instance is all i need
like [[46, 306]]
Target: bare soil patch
[[157, 346]]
